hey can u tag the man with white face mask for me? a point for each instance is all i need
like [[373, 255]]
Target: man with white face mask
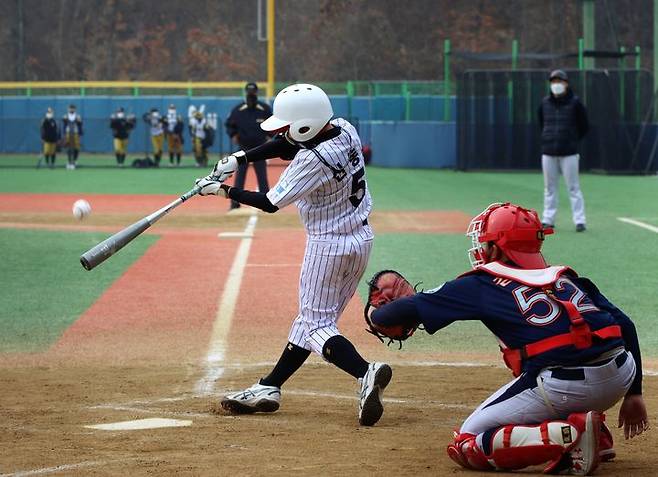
[[49, 136], [563, 122]]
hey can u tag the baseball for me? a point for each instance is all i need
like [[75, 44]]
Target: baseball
[[81, 209]]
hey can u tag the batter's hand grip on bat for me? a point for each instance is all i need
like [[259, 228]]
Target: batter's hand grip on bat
[[113, 244]]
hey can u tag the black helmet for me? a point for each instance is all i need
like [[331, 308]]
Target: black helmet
[[558, 74], [251, 87]]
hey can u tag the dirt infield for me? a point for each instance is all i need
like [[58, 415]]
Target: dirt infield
[[315, 431], [142, 349]]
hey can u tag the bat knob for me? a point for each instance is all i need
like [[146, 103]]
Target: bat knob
[[85, 263]]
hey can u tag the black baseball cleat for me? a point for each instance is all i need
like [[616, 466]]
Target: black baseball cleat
[[580, 227]]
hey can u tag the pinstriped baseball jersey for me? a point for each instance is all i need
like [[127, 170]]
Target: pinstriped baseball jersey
[[328, 185]]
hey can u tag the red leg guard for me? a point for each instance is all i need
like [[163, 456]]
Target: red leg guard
[[526, 449]]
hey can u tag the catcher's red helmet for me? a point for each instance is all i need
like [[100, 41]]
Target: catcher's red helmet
[[516, 231]]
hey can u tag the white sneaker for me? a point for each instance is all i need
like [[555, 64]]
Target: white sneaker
[[370, 398], [257, 398]]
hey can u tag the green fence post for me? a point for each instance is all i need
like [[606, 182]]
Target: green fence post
[[82, 88], [189, 90], [135, 90], [446, 80], [581, 50], [404, 88], [28, 90], [349, 89], [638, 58]]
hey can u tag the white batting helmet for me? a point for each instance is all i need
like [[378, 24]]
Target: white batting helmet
[[304, 108]]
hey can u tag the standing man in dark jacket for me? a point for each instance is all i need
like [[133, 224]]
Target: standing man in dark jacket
[[563, 122], [49, 136], [243, 127]]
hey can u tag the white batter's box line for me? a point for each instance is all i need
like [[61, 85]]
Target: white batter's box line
[[638, 223], [63, 468], [391, 400]]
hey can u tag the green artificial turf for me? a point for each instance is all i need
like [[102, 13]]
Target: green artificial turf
[[44, 287], [621, 258]]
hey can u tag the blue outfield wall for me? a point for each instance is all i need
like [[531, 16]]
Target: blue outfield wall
[[423, 141]]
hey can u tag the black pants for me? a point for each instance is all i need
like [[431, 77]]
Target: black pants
[[261, 175]]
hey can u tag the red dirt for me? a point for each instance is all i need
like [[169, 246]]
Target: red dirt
[[161, 309]]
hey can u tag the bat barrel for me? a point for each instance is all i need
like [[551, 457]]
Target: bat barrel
[[108, 247]]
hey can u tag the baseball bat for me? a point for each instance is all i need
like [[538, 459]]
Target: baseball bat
[[111, 245]]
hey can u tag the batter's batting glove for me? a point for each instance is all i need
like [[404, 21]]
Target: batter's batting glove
[[227, 165], [212, 186]]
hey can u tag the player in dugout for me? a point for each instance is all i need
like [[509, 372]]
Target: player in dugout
[[173, 127], [202, 137], [121, 127], [49, 136], [154, 120], [72, 127], [573, 353]]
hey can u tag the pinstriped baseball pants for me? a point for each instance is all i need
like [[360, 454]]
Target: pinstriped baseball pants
[[330, 273]]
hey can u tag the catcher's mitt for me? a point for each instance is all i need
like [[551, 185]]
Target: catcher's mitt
[[384, 287]]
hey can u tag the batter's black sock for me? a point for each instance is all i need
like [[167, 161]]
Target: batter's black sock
[[290, 361], [75, 155], [341, 353], [171, 158], [177, 158], [118, 156]]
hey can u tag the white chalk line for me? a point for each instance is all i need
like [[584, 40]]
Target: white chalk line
[[274, 265], [57, 468], [638, 223], [142, 405], [77, 465], [354, 397], [217, 348]]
